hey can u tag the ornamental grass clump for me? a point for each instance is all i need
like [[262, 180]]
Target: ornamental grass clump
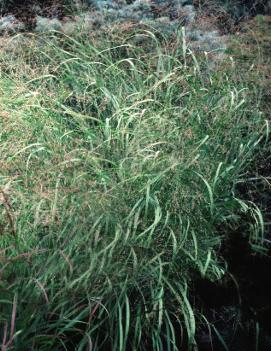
[[118, 170]]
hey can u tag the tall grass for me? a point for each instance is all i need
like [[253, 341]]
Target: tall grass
[[118, 169]]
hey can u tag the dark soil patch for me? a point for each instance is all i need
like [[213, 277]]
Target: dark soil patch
[[27, 10], [238, 308]]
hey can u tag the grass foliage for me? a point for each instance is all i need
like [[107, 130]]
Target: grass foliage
[[118, 171]]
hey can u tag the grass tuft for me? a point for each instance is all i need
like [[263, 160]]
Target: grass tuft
[[118, 170]]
